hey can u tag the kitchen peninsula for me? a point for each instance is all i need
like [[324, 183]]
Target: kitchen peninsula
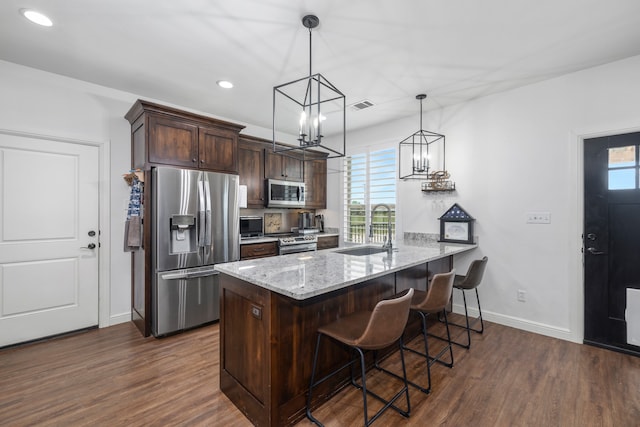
[[272, 307]]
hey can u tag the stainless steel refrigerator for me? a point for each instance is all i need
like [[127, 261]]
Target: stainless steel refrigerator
[[196, 224]]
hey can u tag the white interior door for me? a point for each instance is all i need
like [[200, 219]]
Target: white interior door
[[48, 237]]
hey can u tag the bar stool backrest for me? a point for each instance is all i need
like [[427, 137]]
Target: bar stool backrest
[[474, 274], [439, 293], [387, 323]]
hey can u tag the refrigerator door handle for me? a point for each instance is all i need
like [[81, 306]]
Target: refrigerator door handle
[[201, 214], [185, 275], [207, 207], [203, 274]]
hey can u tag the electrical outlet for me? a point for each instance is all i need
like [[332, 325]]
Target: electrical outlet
[[522, 295], [538, 217]]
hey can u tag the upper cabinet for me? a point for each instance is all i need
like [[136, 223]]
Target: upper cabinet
[[164, 135], [218, 149], [315, 178], [172, 141], [257, 162], [251, 169], [279, 166]]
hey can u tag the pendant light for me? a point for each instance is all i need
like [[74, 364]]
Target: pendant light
[[422, 156], [312, 109]]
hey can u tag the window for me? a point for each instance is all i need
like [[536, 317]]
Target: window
[[623, 168], [369, 182]]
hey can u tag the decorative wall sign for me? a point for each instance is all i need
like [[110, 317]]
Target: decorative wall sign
[[272, 223], [456, 225]]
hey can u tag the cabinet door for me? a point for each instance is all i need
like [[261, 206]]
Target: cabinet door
[[278, 166], [272, 165], [218, 150], [173, 142], [293, 169], [315, 176], [251, 170]]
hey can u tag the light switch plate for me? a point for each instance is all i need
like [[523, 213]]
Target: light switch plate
[[538, 217]]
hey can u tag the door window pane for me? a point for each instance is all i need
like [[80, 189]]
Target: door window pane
[[622, 179], [620, 157]]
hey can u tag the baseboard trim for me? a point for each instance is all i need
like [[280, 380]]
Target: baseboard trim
[[519, 323], [119, 318], [613, 348]]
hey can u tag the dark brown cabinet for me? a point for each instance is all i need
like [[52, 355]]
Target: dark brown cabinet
[[279, 166], [315, 178], [258, 250], [172, 142], [218, 149], [327, 242], [164, 135], [251, 169]]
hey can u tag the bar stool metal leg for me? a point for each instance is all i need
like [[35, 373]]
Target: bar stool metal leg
[[469, 325], [367, 331]]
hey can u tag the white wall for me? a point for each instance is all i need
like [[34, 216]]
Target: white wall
[[515, 152], [36, 102]]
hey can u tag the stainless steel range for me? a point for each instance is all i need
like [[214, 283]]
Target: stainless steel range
[[293, 244]]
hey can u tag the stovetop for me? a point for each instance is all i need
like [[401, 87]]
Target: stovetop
[[296, 239]]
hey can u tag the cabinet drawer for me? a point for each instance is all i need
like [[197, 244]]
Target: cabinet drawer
[[258, 250], [327, 242]]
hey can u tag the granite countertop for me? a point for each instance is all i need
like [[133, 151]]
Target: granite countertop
[[307, 274], [267, 238], [261, 239]]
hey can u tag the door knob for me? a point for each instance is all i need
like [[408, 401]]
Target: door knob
[[594, 251], [89, 246]]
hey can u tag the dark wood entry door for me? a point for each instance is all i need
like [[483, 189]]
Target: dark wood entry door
[[611, 238]]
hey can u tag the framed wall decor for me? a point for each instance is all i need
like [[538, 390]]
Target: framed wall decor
[[456, 225]]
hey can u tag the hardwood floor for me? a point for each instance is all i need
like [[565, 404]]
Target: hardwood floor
[[114, 376]]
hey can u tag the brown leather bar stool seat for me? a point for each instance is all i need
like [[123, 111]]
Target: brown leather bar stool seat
[[434, 301], [467, 283], [362, 331]]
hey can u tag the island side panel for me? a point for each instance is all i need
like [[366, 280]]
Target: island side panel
[[245, 320], [296, 324], [414, 277], [268, 340]]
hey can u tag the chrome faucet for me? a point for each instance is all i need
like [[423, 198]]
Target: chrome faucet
[[387, 242]]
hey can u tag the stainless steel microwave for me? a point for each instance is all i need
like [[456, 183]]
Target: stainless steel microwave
[[285, 194]]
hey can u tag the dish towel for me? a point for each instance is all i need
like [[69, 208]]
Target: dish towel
[[133, 224]]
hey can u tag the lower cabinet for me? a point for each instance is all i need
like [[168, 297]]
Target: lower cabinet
[[258, 250], [327, 242]]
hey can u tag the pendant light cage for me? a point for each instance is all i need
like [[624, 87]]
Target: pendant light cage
[[422, 156], [313, 109]]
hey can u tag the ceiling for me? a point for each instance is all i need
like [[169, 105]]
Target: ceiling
[[383, 51]]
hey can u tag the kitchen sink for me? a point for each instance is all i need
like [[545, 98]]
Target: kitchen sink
[[362, 250]]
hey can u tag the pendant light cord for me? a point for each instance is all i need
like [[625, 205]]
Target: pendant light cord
[[310, 57]]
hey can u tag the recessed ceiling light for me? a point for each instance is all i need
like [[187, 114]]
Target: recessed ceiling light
[[225, 84], [36, 17]]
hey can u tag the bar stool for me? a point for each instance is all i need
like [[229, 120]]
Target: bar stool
[[367, 330], [434, 301], [466, 283]]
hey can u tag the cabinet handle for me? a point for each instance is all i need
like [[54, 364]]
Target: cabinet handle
[[201, 161], [194, 160]]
